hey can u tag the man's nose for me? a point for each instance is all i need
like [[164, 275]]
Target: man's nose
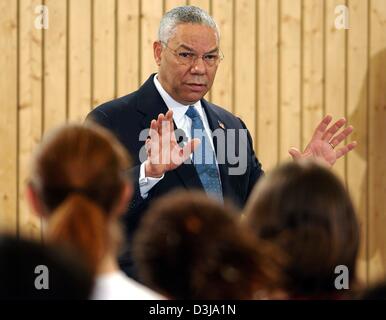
[[198, 66]]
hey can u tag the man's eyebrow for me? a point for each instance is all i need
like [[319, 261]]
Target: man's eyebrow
[[190, 49]]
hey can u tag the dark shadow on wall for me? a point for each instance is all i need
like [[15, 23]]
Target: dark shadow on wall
[[372, 150]]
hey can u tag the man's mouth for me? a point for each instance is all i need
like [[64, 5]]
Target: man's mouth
[[196, 86]]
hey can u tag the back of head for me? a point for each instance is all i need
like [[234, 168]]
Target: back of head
[[184, 14], [190, 247], [30, 270], [304, 209], [79, 173]]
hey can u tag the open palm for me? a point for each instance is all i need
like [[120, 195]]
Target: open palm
[[324, 141], [163, 152]]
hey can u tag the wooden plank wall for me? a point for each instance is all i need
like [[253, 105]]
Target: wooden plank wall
[[9, 116], [285, 66]]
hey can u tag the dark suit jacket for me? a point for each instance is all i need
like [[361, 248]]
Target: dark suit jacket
[[127, 116]]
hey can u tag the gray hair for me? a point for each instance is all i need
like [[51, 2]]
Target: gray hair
[[184, 14]]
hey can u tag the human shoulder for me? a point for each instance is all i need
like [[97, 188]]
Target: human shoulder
[[225, 115], [115, 107], [122, 108], [117, 286]]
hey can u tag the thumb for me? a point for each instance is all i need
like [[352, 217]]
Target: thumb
[[295, 153], [190, 147]]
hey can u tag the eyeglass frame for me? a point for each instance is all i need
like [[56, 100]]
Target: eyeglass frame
[[176, 54]]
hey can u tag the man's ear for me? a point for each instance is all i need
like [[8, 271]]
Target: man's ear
[[126, 195], [34, 201], [157, 50]]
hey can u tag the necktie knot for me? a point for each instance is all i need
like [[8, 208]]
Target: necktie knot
[[192, 112]]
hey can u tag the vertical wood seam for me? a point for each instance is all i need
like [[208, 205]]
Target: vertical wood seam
[[368, 216], [279, 93], [257, 47], [17, 120], [43, 97], [67, 113], [92, 81], [346, 65], [324, 57], [116, 49], [140, 42], [301, 101], [233, 98]]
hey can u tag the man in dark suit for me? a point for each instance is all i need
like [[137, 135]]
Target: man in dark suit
[[188, 54]]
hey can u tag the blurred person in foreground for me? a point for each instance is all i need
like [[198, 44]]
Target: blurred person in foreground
[[80, 187], [190, 247], [303, 209], [34, 271]]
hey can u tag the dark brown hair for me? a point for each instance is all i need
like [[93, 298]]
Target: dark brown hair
[[304, 209], [79, 173], [191, 247], [19, 259]]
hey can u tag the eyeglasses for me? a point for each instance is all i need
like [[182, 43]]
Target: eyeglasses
[[188, 58]]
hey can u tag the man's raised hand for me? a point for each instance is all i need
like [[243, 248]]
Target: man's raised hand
[[324, 142], [163, 152]]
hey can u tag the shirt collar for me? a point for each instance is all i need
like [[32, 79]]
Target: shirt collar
[[178, 108]]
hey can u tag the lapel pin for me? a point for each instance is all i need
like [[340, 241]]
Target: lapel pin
[[221, 125]]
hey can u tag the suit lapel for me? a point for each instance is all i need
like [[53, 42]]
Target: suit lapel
[[151, 104], [214, 119]]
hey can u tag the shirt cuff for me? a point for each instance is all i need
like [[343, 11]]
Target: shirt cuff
[[146, 183]]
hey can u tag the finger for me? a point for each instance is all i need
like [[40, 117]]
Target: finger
[[168, 121], [164, 128], [153, 129], [334, 129], [160, 118], [161, 130], [346, 149], [169, 129], [153, 132], [322, 126], [294, 153], [189, 148], [148, 147], [154, 137], [166, 145], [169, 115], [342, 136]]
